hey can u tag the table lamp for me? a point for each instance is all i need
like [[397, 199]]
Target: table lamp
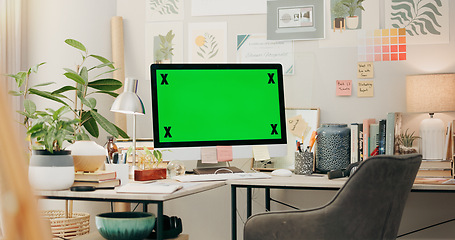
[[431, 93], [129, 102]]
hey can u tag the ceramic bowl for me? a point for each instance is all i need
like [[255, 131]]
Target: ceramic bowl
[[125, 225]]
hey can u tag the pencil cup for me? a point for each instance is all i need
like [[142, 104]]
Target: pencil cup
[[303, 163], [122, 171]]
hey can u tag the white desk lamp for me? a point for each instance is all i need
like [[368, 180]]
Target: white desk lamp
[[129, 102], [431, 93]]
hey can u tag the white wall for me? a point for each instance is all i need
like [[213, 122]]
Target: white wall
[[206, 216]]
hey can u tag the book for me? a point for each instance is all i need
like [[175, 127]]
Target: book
[[392, 119], [427, 173], [374, 139], [354, 142], [366, 136], [360, 142], [436, 164], [382, 136], [95, 176], [102, 183]]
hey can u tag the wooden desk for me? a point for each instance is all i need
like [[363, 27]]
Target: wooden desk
[[312, 182], [145, 199]]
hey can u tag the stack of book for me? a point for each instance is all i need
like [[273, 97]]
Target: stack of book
[[435, 168], [96, 179]]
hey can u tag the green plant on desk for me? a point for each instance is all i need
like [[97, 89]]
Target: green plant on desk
[[148, 159], [405, 142]]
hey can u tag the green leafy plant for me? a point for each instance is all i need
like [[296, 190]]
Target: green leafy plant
[[353, 5], [407, 139], [83, 105], [339, 10], [51, 129], [147, 159]]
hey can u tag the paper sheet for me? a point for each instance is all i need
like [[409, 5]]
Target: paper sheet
[[261, 153], [208, 155]]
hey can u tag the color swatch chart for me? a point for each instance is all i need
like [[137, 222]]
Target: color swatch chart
[[382, 45]]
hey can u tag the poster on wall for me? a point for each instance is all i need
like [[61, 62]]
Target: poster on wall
[[345, 18], [231, 7], [163, 43], [168, 10], [425, 21], [207, 42], [255, 48]]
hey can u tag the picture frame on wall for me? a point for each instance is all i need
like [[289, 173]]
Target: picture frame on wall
[[295, 20]]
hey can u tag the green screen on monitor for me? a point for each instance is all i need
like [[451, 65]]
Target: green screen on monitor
[[217, 104]]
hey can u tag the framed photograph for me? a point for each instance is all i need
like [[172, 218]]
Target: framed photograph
[[295, 19]]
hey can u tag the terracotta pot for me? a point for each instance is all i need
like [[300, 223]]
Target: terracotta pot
[[150, 174]]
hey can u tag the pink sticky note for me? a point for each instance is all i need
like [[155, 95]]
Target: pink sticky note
[[224, 153], [344, 87]]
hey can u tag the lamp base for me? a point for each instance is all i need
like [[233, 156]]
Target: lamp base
[[432, 134]]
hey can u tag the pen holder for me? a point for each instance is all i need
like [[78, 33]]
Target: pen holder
[[303, 163]]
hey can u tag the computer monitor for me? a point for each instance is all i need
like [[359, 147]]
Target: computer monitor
[[201, 105]]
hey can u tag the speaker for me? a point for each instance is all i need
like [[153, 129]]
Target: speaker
[[172, 227]]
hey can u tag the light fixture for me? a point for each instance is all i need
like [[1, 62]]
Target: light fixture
[[431, 93], [130, 103]]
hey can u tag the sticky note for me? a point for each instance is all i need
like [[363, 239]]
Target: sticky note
[[344, 88], [224, 153], [365, 89], [365, 69], [208, 155], [261, 153], [297, 125]]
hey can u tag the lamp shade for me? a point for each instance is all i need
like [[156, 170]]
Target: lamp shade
[[129, 102], [430, 93]]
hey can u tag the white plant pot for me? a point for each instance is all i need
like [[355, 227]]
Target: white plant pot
[[352, 22], [51, 171], [88, 155]]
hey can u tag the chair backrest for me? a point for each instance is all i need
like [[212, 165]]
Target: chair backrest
[[371, 203]]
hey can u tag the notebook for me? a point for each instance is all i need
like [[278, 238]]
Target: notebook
[[217, 170]]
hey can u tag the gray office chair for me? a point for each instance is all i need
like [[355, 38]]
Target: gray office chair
[[368, 206]]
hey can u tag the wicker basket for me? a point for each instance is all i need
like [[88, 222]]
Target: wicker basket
[[67, 227]]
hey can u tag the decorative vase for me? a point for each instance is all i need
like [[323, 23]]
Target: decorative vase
[[352, 22], [88, 155], [51, 171], [333, 147]]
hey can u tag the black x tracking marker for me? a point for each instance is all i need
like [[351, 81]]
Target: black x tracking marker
[[274, 131], [168, 132], [271, 78], [164, 80]]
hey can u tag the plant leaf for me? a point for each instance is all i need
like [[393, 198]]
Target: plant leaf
[[103, 60], [64, 89], [107, 84], [104, 123], [47, 95], [113, 94], [121, 132], [29, 106], [84, 74], [76, 44], [75, 77], [89, 124], [44, 84]]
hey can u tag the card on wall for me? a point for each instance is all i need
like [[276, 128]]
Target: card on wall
[[365, 70], [344, 87], [158, 10]]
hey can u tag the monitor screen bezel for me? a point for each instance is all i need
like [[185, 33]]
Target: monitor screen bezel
[[210, 66]]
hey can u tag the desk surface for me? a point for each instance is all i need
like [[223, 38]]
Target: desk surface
[[107, 195], [317, 181]]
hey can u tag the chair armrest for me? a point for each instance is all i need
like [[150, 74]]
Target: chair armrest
[[302, 224]]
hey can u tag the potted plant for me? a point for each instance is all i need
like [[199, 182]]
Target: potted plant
[[352, 21], [164, 53], [339, 12], [405, 142], [52, 167], [150, 162]]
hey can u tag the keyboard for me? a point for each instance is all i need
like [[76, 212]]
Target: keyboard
[[220, 177]]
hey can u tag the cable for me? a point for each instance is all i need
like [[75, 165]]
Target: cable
[[424, 228]]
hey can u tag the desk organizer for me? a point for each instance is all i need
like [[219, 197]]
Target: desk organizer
[[66, 225]]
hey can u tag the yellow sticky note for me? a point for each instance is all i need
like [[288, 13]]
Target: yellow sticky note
[[208, 155], [261, 153], [365, 70], [365, 89]]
